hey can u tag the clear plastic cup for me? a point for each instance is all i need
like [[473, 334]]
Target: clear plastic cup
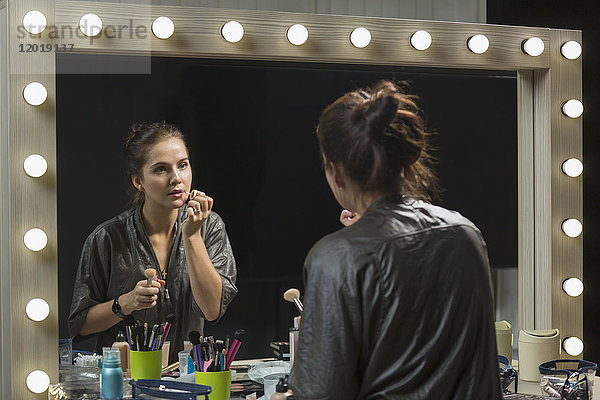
[[65, 351], [183, 362]]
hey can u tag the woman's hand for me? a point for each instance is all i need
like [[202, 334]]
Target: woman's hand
[[198, 210], [142, 296], [348, 217]]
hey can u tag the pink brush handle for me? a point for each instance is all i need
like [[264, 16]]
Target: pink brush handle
[[235, 346], [167, 327]]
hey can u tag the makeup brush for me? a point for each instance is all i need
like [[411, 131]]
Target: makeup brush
[[158, 340], [168, 322], [194, 337], [150, 273], [128, 322], [293, 296], [152, 336], [238, 338], [145, 345]]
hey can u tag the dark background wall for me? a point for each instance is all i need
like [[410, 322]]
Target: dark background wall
[[250, 129], [581, 15]]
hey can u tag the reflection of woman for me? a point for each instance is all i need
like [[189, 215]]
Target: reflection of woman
[[185, 243], [398, 303]]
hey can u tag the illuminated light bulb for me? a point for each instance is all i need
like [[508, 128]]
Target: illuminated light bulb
[[232, 31], [163, 27], [572, 167], [573, 287], [573, 345], [360, 37], [35, 239], [35, 165], [35, 93], [478, 44], [572, 108], [90, 25], [34, 22], [533, 46], [38, 381], [572, 227], [420, 40], [571, 50], [37, 310], [297, 34]]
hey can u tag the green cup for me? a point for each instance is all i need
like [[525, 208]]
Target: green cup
[[220, 382], [145, 364]]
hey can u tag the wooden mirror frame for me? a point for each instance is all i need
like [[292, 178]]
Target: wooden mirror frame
[[546, 137]]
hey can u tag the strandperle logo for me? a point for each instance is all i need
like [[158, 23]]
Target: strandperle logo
[[66, 32]]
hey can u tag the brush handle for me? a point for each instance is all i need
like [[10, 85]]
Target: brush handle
[[167, 327], [235, 346], [299, 305]]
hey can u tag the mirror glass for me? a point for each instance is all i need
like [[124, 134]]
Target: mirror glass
[[250, 129]]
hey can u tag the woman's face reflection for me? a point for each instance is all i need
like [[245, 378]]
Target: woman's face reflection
[[166, 175]]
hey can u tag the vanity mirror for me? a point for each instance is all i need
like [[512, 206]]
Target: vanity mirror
[[545, 138]]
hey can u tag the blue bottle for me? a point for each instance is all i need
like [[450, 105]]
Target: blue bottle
[[111, 375]]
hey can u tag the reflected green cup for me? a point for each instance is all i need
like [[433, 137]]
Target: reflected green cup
[[220, 382], [145, 364]]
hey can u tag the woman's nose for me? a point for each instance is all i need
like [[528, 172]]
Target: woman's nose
[[175, 177]]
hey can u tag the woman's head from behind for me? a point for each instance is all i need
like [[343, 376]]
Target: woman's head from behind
[[156, 159], [373, 142]]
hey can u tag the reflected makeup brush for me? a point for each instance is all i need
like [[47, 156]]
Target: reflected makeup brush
[[194, 337], [158, 341], [293, 296], [150, 274], [168, 323], [238, 338], [129, 322], [152, 336]]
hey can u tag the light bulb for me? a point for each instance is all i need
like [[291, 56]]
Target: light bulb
[[573, 345], [533, 46], [572, 108], [37, 309], [34, 22], [571, 50], [35, 93], [360, 37], [35, 165], [35, 239], [572, 167], [572, 287], [90, 25], [478, 44], [297, 34], [163, 27], [572, 227], [420, 40], [38, 381], [232, 31]]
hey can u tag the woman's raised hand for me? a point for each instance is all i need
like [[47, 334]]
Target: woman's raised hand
[[142, 296], [198, 210]]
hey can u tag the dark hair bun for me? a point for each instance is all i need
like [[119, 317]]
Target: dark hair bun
[[378, 114], [379, 137]]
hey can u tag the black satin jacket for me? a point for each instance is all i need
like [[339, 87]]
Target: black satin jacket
[[114, 258], [398, 306]]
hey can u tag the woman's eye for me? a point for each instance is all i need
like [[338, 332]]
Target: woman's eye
[[183, 165], [159, 170]]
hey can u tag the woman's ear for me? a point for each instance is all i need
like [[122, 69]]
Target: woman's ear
[[137, 183], [338, 174]]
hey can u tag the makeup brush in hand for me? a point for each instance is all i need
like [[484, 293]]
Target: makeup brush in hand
[[150, 273], [293, 296]]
